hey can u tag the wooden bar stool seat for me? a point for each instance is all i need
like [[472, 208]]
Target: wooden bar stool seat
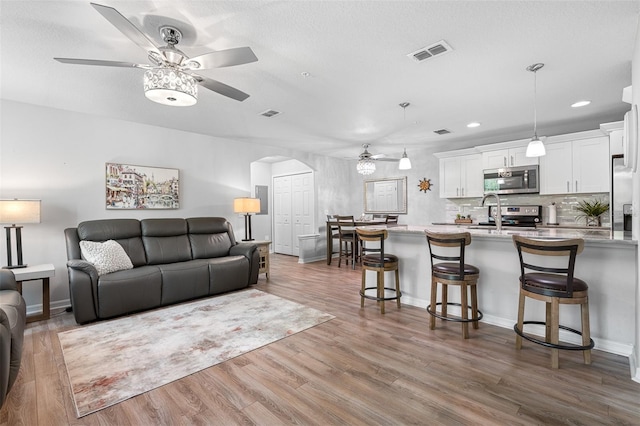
[[454, 271], [375, 259], [554, 286]]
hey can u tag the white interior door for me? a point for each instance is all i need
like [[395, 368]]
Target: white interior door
[[293, 210], [282, 235]]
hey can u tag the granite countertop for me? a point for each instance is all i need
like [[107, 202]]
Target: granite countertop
[[590, 235]]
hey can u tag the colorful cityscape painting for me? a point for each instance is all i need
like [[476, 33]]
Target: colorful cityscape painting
[[141, 187]]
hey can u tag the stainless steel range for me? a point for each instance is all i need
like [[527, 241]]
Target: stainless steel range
[[520, 216]]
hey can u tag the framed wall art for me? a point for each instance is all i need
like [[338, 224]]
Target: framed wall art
[[141, 187]]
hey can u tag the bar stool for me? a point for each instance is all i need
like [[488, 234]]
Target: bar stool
[[452, 272], [554, 286], [380, 262], [335, 235], [348, 240]]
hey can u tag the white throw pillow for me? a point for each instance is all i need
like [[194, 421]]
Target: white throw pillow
[[106, 257]]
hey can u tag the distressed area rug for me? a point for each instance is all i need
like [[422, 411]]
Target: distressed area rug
[[114, 360]]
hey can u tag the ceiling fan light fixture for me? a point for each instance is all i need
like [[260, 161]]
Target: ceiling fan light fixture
[[169, 86], [366, 166], [405, 163]]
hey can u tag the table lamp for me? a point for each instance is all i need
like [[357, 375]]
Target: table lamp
[[246, 205], [13, 212]]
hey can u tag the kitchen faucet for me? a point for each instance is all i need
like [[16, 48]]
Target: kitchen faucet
[[498, 209]]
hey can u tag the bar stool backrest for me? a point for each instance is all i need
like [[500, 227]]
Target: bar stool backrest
[[374, 235], [568, 248], [346, 225], [438, 239], [392, 219]]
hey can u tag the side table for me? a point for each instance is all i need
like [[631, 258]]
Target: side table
[[263, 256], [32, 273]]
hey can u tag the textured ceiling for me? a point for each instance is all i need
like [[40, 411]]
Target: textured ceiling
[[355, 53]]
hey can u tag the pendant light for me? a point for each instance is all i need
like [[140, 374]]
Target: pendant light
[[405, 163], [535, 147]]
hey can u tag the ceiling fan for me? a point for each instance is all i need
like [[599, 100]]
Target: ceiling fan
[[170, 78], [366, 161], [377, 157]]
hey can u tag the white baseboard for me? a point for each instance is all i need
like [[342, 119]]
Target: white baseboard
[[311, 259], [604, 345], [59, 304]]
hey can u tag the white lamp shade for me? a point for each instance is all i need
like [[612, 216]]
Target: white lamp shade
[[246, 205], [535, 148], [19, 211], [405, 163]]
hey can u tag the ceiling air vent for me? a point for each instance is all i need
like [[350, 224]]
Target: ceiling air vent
[[435, 49], [442, 131], [270, 113]]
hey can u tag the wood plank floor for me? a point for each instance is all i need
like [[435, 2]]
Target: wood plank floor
[[360, 368]]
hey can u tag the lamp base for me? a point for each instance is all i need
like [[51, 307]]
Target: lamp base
[[14, 266], [248, 239]]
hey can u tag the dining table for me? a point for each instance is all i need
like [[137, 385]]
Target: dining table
[[332, 226]]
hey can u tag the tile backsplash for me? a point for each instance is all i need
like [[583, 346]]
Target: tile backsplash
[[565, 206]]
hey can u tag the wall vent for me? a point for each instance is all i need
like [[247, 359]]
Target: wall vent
[[270, 113], [442, 131], [439, 48]]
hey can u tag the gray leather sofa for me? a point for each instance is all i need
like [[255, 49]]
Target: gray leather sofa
[[13, 317], [174, 260]]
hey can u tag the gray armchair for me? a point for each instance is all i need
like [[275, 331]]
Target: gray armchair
[[13, 316]]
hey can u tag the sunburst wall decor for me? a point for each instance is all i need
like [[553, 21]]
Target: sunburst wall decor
[[425, 185]]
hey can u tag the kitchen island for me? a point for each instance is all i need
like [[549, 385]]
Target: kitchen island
[[607, 264]]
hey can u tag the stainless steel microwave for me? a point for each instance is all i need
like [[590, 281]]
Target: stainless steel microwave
[[512, 180]]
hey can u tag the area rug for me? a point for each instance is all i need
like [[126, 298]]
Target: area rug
[[111, 361]]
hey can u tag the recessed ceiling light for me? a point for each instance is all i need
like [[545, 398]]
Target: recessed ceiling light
[[580, 104], [305, 74], [473, 124]]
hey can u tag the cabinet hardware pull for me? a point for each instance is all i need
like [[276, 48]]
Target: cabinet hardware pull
[[504, 161], [576, 186], [512, 162], [567, 186]]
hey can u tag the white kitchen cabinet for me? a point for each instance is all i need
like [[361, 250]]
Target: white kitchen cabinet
[[461, 176], [511, 157], [575, 167]]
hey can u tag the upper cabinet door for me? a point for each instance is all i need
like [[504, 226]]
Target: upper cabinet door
[[512, 157], [461, 176], [556, 169], [575, 167], [591, 164]]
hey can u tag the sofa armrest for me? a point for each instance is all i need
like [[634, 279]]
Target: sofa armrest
[[244, 249], [84, 266], [8, 280], [83, 290]]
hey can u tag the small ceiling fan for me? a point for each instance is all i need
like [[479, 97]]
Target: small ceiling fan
[[366, 161], [170, 78], [377, 157]]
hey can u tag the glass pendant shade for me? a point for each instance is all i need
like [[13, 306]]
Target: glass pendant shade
[[168, 86], [535, 148], [366, 166], [405, 163]]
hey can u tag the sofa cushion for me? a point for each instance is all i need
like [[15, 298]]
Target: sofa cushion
[[126, 232], [107, 257], [209, 237], [228, 273], [165, 240], [133, 290], [184, 280]]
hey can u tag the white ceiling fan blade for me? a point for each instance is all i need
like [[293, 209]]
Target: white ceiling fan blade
[[126, 27], [101, 63], [222, 58], [221, 88]]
